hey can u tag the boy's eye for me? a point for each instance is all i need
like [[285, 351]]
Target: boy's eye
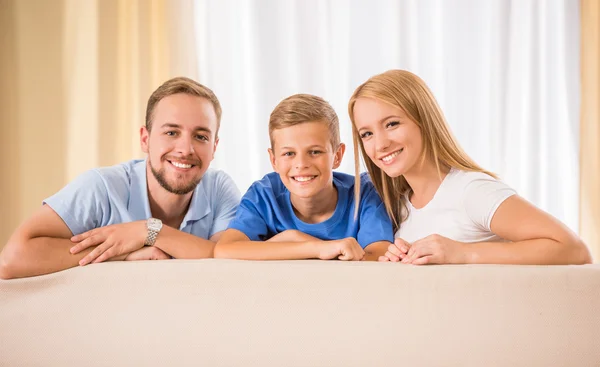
[[366, 134], [315, 152], [392, 124]]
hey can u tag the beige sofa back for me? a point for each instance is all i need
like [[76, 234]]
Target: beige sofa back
[[302, 313]]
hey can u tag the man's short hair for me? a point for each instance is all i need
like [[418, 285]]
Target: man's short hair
[[186, 86]]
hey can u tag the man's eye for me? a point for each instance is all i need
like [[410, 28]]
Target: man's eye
[[288, 154], [202, 137], [171, 133]]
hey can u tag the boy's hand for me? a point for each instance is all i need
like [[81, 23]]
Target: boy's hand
[[147, 253], [344, 249], [396, 251]]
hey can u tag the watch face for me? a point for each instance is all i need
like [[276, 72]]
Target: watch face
[[154, 224]]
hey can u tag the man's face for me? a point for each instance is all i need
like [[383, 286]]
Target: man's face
[[182, 141]]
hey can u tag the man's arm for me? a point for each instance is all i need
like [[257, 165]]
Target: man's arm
[[39, 246]]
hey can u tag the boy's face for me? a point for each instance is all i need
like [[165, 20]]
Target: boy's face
[[303, 157], [182, 142]]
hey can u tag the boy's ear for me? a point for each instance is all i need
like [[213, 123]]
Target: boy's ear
[[272, 159], [339, 154], [144, 136]]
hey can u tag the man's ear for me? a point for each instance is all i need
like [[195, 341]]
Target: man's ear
[[215, 148], [339, 154], [144, 136], [272, 159]]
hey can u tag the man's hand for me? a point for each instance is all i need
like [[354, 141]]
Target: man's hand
[[396, 251], [111, 241], [435, 249], [344, 249], [147, 253]]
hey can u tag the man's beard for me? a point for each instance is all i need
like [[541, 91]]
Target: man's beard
[[177, 190]]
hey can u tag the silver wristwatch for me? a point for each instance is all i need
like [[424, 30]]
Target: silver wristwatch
[[154, 226]]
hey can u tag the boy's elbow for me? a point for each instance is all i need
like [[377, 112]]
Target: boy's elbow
[[218, 252]]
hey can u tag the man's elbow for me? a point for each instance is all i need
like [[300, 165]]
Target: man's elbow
[[8, 262]]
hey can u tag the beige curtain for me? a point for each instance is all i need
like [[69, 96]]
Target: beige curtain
[[75, 76], [590, 126]]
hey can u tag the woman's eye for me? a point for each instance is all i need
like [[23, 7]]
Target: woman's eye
[[392, 124], [365, 135]]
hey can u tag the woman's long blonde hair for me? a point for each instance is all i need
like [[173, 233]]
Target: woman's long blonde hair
[[407, 91]]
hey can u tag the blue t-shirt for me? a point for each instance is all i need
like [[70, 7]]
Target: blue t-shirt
[[119, 194], [266, 210]]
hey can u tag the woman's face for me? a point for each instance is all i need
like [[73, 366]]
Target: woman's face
[[391, 139]]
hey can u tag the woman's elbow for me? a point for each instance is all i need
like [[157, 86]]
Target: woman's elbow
[[580, 253]]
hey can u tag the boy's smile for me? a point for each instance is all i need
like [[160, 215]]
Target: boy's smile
[[304, 158]]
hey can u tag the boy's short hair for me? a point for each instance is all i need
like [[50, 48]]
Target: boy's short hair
[[301, 108], [186, 86]]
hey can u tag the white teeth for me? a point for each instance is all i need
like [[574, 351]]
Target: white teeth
[[304, 178], [181, 165], [388, 158]]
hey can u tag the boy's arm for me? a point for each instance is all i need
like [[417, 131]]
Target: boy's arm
[[375, 250], [234, 244], [39, 246]]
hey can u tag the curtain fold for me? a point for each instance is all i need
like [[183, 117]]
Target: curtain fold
[[590, 126], [506, 74], [76, 75]]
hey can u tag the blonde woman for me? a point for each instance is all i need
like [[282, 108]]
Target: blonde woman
[[445, 208]]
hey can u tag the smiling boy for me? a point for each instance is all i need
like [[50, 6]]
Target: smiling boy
[[304, 209]]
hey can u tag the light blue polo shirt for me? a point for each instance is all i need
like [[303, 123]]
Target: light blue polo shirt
[[119, 194]]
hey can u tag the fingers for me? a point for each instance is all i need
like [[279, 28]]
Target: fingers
[[94, 254], [82, 236], [383, 259], [423, 260], [392, 248], [111, 252], [402, 245], [392, 257], [87, 241], [351, 251]]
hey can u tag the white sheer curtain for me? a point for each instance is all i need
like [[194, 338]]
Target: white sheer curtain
[[506, 73]]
